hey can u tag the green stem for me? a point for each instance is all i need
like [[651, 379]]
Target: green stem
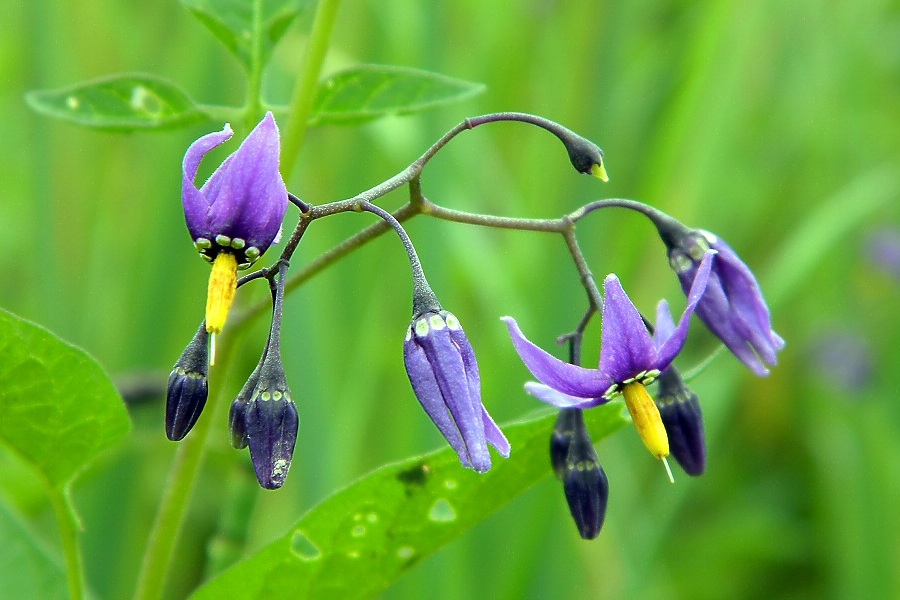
[[305, 89], [68, 534], [180, 485]]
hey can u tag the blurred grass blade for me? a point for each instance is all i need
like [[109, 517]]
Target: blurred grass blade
[[59, 409], [119, 102], [372, 91], [28, 572], [358, 542], [231, 21]]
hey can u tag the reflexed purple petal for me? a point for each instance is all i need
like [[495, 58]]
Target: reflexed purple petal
[[426, 389], [194, 201], [565, 377], [547, 394], [626, 347], [672, 346], [665, 325], [493, 434], [251, 197]]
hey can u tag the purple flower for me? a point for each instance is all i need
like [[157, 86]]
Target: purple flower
[[444, 375], [630, 359], [237, 214], [733, 306], [240, 208]]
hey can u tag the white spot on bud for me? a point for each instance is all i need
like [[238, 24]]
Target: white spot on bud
[[437, 322], [422, 328], [452, 322]]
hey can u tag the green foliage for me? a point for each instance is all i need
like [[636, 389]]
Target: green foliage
[[233, 22], [29, 572], [59, 408], [370, 91], [119, 103], [358, 542]]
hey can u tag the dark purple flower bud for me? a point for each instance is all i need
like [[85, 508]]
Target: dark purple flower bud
[[733, 306], [187, 390], [240, 208], [566, 424], [237, 414], [679, 409], [270, 424], [585, 482], [444, 375]]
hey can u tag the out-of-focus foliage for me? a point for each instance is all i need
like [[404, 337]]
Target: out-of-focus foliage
[[772, 124]]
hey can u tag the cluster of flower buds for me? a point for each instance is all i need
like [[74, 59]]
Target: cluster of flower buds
[[233, 219]]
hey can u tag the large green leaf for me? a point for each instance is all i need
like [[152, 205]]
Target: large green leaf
[[29, 572], [232, 22], [119, 102], [359, 541], [59, 409], [373, 91]]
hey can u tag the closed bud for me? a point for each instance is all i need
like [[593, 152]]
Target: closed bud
[[237, 414], [679, 409], [187, 390], [270, 424], [566, 424], [585, 484]]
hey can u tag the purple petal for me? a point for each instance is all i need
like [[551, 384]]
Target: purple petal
[[626, 346], [670, 347], [562, 376], [194, 201], [493, 434], [250, 196], [425, 388], [550, 396], [665, 325], [271, 429]]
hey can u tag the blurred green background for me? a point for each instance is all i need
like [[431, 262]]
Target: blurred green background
[[774, 124]]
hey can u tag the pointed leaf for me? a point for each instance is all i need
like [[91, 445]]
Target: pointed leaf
[[373, 91], [59, 409], [232, 22], [119, 102], [358, 542]]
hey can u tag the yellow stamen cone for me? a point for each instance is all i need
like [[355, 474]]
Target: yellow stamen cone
[[599, 171], [647, 421], [220, 294]]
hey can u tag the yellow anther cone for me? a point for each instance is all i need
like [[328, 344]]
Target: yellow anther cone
[[599, 171], [220, 294], [647, 421]]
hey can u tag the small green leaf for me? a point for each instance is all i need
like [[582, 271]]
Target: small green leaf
[[119, 102], [59, 409], [373, 91], [359, 541], [231, 21], [28, 572]]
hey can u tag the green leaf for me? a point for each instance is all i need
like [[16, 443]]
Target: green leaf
[[29, 572], [119, 102], [359, 541], [373, 91], [231, 21], [59, 409]]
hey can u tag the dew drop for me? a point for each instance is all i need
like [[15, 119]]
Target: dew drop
[[372, 518], [441, 511], [405, 552], [303, 547], [450, 484], [358, 531], [72, 102]]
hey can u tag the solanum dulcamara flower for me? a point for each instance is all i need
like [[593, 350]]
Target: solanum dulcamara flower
[[733, 307], [630, 359], [442, 369], [237, 214]]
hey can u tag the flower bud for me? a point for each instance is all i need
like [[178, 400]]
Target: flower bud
[[585, 483], [679, 409], [187, 390], [444, 375], [566, 423], [270, 424]]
